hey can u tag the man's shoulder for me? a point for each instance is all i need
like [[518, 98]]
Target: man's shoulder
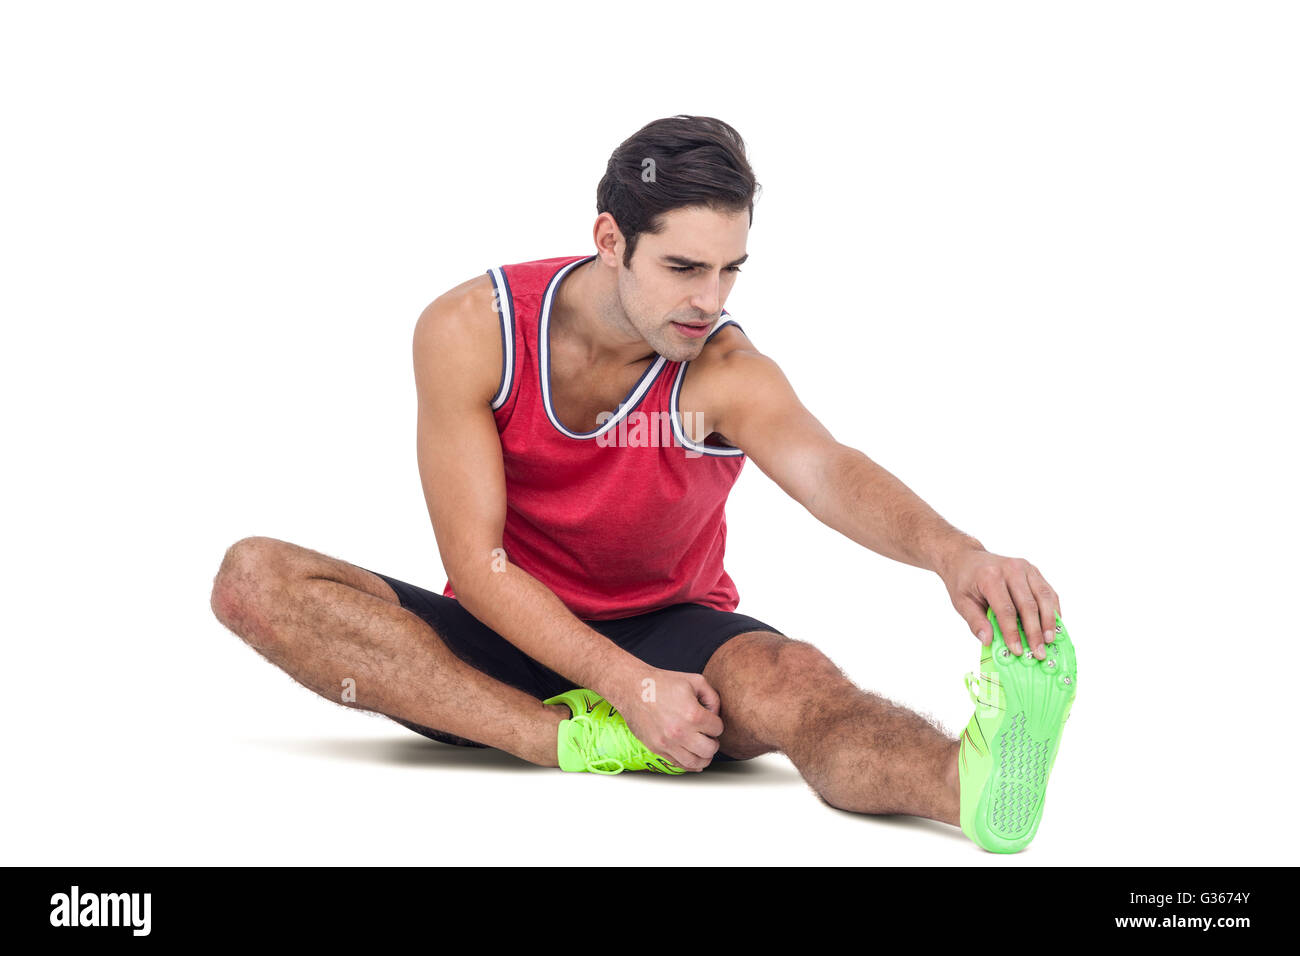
[[459, 334], [470, 303], [723, 347]]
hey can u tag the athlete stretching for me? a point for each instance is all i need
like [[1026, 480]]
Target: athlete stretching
[[581, 422]]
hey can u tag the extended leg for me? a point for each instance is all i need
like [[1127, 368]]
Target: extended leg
[[857, 750], [325, 621]]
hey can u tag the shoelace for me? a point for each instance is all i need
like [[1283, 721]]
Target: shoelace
[[976, 691], [608, 745]]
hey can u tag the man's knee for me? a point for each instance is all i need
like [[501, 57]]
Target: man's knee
[[260, 576], [777, 665], [249, 568], [766, 681], [801, 667]]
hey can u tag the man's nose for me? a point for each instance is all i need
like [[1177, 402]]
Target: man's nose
[[706, 299]]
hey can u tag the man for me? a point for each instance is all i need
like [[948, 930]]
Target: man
[[576, 477]]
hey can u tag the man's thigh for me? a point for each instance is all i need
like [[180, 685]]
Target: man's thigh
[[257, 564], [474, 642]]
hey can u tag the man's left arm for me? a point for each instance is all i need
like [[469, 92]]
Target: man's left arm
[[756, 409]]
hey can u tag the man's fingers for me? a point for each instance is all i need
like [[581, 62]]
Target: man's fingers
[[708, 722], [1027, 608], [683, 758], [973, 614], [1004, 609], [1049, 605], [702, 747], [706, 719], [707, 696], [1018, 598]]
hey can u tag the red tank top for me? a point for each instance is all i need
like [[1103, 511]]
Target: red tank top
[[619, 521]]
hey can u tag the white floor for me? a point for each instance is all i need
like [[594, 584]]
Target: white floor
[[357, 792], [242, 765]]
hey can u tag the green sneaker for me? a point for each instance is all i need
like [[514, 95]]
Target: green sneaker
[[596, 739], [584, 703], [1009, 747]]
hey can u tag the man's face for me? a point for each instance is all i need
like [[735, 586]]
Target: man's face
[[683, 274]]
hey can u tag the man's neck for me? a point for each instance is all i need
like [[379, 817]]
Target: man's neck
[[587, 317]]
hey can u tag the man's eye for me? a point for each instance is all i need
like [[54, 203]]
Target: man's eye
[[733, 268], [681, 268]]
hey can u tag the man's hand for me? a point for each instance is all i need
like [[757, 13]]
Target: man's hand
[[673, 713], [977, 580]]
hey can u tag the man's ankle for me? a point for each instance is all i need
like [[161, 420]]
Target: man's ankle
[[952, 778], [547, 754]]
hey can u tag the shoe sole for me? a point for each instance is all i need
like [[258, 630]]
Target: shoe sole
[[1037, 697]]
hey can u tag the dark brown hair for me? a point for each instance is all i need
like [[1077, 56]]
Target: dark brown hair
[[672, 163]]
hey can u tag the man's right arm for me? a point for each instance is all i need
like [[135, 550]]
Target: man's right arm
[[457, 355]]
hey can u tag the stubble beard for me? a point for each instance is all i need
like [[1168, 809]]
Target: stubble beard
[[658, 333]]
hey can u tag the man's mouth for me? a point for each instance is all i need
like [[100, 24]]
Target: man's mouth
[[692, 329]]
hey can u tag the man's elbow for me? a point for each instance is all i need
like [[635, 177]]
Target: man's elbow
[[469, 574]]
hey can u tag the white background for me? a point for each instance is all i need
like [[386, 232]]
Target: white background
[[1037, 259]]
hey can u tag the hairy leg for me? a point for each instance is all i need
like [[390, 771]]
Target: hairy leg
[[857, 750], [323, 621]]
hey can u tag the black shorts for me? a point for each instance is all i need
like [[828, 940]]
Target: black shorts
[[678, 638]]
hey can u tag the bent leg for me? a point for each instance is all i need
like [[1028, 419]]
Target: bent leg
[[324, 621], [857, 750]]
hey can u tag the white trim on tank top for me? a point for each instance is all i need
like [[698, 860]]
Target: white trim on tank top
[[544, 366], [505, 309], [675, 414]]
